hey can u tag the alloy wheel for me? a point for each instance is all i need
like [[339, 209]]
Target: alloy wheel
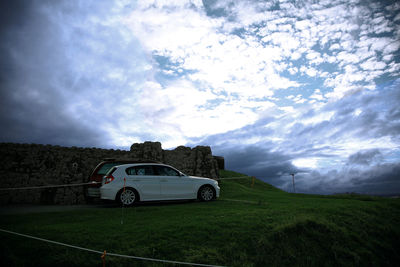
[[128, 197], [207, 193]]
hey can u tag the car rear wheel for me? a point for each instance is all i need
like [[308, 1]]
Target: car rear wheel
[[127, 197], [206, 193]]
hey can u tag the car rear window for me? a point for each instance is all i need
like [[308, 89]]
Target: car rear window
[[110, 171], [106, 167]]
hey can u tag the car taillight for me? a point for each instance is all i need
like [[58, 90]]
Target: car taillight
[[108, 179]]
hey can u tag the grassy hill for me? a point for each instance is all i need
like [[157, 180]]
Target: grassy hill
[[249, 225]]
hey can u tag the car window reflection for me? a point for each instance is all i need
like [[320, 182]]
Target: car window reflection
[[140, 170], [166, 171]]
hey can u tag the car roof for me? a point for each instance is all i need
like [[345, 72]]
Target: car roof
[[129, 161], [142, 164]]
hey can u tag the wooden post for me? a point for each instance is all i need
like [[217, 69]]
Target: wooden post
[[103, 258], [294, 189], [253, 180]]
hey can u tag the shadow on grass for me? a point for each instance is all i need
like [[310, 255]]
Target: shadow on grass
[[112, 204]]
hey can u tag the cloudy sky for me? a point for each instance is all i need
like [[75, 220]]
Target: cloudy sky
[[276, 87]]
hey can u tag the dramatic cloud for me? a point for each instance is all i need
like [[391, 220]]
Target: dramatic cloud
[[351, 146], [276, 87]]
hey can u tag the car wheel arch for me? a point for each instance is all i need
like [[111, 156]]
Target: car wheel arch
[[209, 186], [117, 196]]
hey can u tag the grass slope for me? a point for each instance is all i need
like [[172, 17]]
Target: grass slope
[[248, 226]]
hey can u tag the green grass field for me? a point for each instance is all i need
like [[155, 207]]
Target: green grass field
[[267, 227]]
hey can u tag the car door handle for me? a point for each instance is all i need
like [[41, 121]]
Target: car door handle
[[136, 180], [163, 180]]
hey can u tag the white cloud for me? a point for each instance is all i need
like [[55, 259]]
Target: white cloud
[[298, 99], [335, 46], [373, 65], [347, 58], [232, 71], [177, 72], [311, 72], [348, 146], [180, 111], [306, 163], [357, 112], [317, 95], [320, 117], [397, 18], [287, 109]]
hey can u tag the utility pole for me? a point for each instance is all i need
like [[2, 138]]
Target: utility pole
[[294, 189]]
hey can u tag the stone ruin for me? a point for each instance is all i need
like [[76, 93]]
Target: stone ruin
[[25, 165]]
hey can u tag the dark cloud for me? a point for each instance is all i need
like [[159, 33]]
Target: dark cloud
[[257, 161], [13, 14], [55, 60], [216, 9], [43, 123], [378, 117], [381, 179], [364, 171], [55, 79], [364, 157], [379, 112], [33, 107]]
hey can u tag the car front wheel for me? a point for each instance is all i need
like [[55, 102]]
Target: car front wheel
[[127, 197], [206, 193]]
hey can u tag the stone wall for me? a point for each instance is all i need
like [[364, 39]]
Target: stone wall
[[23, 165], [198, 161]]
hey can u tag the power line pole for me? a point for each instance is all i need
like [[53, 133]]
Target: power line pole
[[294, 189]]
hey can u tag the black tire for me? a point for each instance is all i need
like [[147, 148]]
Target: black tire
[[206, 193], [127, 197]]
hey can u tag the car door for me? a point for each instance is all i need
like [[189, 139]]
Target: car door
[[143, 179], [173, 185]]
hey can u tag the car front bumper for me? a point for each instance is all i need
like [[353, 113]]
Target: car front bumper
[[217, 189]]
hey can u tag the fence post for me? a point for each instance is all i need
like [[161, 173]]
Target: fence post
[[103, 258]]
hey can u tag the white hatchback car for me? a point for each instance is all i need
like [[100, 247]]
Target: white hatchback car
[[131, 183]]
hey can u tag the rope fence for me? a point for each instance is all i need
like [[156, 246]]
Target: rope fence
[[234, 178], [91, 183], [104, 253], [47, 186]]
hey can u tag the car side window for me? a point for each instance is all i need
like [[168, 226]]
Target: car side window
[[140, 170], [130, 171], [166, 171]]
